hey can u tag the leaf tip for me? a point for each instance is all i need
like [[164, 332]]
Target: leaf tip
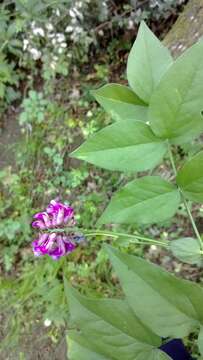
[[75, 154]]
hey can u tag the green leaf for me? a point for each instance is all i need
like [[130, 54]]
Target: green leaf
[[146, 200], [171, 307], [77, 351], [190, 178], [126, 146], [147, 62], [108, 329], [200, 340], [175, 110], [187, 250], [80, 348], [121, 102]]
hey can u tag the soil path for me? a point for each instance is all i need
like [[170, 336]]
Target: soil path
[[10, 135]]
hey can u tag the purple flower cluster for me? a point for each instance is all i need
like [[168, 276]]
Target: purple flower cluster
[[53, 240]]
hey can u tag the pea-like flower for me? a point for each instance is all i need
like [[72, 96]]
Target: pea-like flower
[[56, 214], [53, 239]]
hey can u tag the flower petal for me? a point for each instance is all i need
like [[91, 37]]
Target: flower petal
[[39, 224]]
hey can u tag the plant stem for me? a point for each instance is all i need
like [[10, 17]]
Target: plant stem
[[88, 232], [192, 221], [116, 235], [3, 45], [185, 201], [172, 160]]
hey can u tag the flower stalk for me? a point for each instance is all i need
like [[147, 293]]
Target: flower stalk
[[136, 238], [59, 235], [196, 231]]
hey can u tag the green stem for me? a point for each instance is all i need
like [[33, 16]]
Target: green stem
[[3, 45], [88, 232], [185, 201], [116, 235], [172, 160], [192, 221]]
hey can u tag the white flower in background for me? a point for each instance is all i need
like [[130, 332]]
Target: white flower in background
[[38, 31], [77, 13], [58, 12], [89, 114], [25, 44], [47, 322], [73, 37], [130, 24], [36, 54], [63, 45], [60, 50], [51, 35], [55, 58], [153, 247], [72, 13], [79, 4], [49, 27], [60, 37], [53, 65], [53, 41], [74, 21], [101, 33], [33, 24], [69, 29], [78, 30]]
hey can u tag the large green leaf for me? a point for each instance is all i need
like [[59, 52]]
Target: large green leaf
[[78, 351], [108, 329], [190, 178], [121, 102], [80, 348], [147, 62], [126, 146], [146, 200], [175, 110], [170, 306], [187, 250]]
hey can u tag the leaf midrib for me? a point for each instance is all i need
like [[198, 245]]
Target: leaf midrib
[[123, 102], [187, 91], [118, 328], [153, 197], [165, 299], [120, 148]]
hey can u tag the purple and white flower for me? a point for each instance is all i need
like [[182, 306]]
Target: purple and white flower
[[53, 239], [56, 214]]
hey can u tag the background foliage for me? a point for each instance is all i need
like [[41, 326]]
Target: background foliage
[[52, 54]]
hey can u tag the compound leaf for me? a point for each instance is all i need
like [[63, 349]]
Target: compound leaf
[[190, 178], [147, 62], [107, 329], [121, 102], [126, 146], [168, 305], [187, 250], [149, 199], [175, 110]]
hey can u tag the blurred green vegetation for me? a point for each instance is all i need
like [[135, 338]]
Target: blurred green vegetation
[[52, 53]]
